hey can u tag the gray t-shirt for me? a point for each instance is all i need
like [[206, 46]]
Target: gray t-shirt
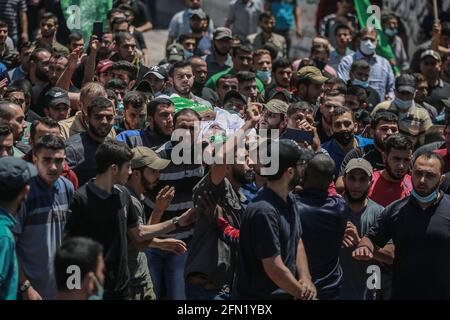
[[355, 272]]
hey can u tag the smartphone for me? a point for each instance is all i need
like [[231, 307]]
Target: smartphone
[[298, 135], [97, 30]]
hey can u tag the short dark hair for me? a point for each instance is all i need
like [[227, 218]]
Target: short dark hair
[[122, 36], [341, 87], [225, 76], [420, 77], [5, 110], [100, 103], [299, 106], [134, 99], [74, 36], [398, 142], [24, 85], [5, 129], [35, 53], [360, 93], [77, 251], [112, 11], [116, 83], [432, 155], [244, 76], [13, 88], [119, 20], [49, 141], [360, 64], [343, 26], [112, 152], [265, 15], [281, 63], [46, 121], [288, 157], [385, 116], [127, 67], [125, 7], [434, 134], [446, 29], [242, 47], [25, 45], [179, 65], [339, 111], [319, 171], [185, 111], [3, 24], [153, 105], [49, 16], [184, 36]]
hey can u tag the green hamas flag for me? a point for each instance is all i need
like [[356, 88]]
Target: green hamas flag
[[182, 103], [368, 16], [81, 14]]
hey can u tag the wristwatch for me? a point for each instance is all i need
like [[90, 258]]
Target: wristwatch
[[25, 286], [176, 222]]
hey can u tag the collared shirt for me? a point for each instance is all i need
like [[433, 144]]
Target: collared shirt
[[17, 73], [413, 123], [336, 57], [9, 270], [180, 24], [40, 227], [270, 227], [381, 77], [258, 42], [327, 216], [338, 155], [244, 16], [214, 66], [421, 237]]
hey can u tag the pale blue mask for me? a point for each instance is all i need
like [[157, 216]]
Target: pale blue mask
[[187, 54], [360, 83], [427, 199], [100, 291], [403, 104], [264, 76], [391, 32], [367, 47]]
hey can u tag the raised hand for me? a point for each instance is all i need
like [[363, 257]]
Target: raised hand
[[164, 198]]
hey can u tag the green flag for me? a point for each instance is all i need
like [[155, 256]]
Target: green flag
[[365, 15], [182, 103], [81, 14]]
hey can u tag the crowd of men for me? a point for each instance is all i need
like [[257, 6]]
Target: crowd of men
[[90, 183]]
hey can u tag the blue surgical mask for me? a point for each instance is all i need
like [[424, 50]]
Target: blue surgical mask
[[100, 291], [367, 47], [187, 54], [264, 76], [427, 199], [403, 104], [360, 83], [391, 32]]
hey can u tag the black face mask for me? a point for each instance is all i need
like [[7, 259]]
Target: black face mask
[[320, 64], [344, 137]]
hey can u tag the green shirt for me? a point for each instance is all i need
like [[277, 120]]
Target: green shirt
[[211, 83], [9, 271]]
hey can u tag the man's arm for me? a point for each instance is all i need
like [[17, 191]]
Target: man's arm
[[231, 17], [145, 27], [23, 25], [298, 21], [344, 68], [65, 79], [89, 68], [310, 291], [30, 293]]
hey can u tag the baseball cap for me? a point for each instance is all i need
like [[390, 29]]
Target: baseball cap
[[146, 157], [144, 86], [359, 163], [431, 53], [199, 13], [103, 65], [405, 82], [222, 33], [311, 73], [56, 96], [158, 71], [277, 106], [175, 52], [15, 173]]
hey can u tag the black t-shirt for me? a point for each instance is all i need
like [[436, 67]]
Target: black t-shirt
[[421, 267], [106, 218], [446, 185], [323, 220], [269, 227], [436, 94], [369, 153]]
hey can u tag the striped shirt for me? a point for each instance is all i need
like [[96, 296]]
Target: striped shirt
[[41, 223], [9, 12]]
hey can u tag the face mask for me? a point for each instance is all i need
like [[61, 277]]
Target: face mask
[[359, 83], [391, 32], [344, 137], [187, 54], [403, 104], [99, 294], [120, 107], [367, 47], [427, 199], [264, 76]]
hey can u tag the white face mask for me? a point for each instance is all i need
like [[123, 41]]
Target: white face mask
[[368, 47]]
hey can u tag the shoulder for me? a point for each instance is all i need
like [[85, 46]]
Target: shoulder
[[74, 140], [127, 134], [383, 105], [364, 141], [62, 181]]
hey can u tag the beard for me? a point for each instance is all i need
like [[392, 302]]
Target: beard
[[42, 75], [379, 143], [356, 200], [101, 132], [159, 131], [148, 186], [243, 177], [391, 172], [295, 181], [219, 51]]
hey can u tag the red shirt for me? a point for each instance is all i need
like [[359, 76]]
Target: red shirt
[[385, 192], [446, 156]]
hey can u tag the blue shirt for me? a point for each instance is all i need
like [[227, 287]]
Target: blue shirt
[[338, 155], [283, 11], [323, 220], [381, 77], [9, 271], [40, 227]]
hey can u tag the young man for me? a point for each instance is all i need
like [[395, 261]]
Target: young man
[[445, 152], [43, 216], [220, 59], [272, 259], [57, 104], [49, 27], [6, 141], [200, 70], [243, 17], [247, 85], [88, 255], [274, 117], [419, 227], [281, 73], [393, 182], [325, 215], [160, 113], [309, 84], [343, 126], [103, 211], [15, 175], [359, 77], [344, 37], [225, 84], [12, 114], [134, 113], [262, 66], [80, 147]]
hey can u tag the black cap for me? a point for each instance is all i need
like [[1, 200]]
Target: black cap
[[144, 86], [158, 71], [405, 82], [233, 94], [56, 96], [15, 173], [199, 13], [285, 92]]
